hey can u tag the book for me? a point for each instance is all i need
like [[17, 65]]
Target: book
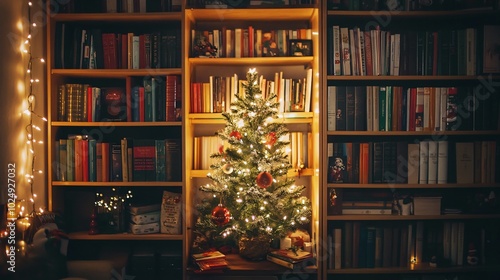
[[143, 160], [442, 162], [142, 209], [209, 255], [491, 45], [424, 162], [464, 162], [284, 263], [291, 256], [212, 264]]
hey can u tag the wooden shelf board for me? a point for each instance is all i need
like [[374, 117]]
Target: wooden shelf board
[[118, 17], [252, 14], [109, 124], [413, 186], [411, 133], [411, 217], [417, 14], [216, 118], [123, 236], [414, 268], [116, 184], [291, 173], [406, 78], [251, 61], [115, 73]]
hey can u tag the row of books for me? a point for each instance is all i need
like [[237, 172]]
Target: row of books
[[397, 108], [90, 48], [298, 149], [156, 99], [425, 162], [360, 245], [216, 95], [120, 6], [82, 159], [353, 51], [409, 5], [249, 41], [251, 3]]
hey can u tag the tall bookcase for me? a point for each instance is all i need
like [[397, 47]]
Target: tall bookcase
[[75, 198], [401, 246], [201, 69]]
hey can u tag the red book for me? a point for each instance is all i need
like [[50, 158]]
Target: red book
[[85, 160], [98, 158], [141, 104], [412, 105], [251, 41], [172, 97], [89, 105], [124, 51], [78, 164], [368, 54]]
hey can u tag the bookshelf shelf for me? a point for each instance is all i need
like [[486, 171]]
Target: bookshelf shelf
[[409, 78], [411, 133], [114, 73], [116, 184], [412, 217], [122, 236], [216, 118], [118, 17], [114, 124], [414, 186], [413, 269], [250, 14], [253, 61], [414, 14]]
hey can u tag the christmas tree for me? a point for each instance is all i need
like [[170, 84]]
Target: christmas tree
[[251, 194]]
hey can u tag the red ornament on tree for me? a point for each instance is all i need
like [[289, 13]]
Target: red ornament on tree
[[271, 138], [220, 215], [235, 134], [221, 149], [264, 179]]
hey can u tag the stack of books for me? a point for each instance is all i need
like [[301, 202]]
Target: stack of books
[[210, 261], [290, 259], [145, 219]]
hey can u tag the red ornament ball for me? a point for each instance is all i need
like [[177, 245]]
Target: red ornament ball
[[271, 138], [264, 179], [221, 149], [220, 215], [235, 134]]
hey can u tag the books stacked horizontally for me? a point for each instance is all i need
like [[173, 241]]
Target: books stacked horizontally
[[366, 207], [210, 261], [291, 259], [145, 219]]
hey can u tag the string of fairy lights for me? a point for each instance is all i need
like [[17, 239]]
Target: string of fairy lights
[[32, 130]]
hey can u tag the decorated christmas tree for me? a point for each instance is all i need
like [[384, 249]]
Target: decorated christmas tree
[[251, 195]]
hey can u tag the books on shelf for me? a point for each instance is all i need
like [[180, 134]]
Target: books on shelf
[[291, 259], [397, 108], [130, 160], [444, 51]]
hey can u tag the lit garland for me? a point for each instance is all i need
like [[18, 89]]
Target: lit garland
[[31, 128]]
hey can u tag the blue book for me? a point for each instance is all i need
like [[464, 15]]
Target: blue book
[[148, 99], [370, 247], [135, 103], [70, 160]]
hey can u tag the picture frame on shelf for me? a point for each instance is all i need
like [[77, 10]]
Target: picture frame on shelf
[[300, 47]]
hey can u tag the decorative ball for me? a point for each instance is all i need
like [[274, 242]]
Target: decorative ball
[[271, 138], [264, 179], [235, 134], [227, 168], [220, 215], [221, 149]]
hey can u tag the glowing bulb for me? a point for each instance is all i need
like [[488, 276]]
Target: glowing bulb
[[34, 24], [29, 3], [31, 98], [42, 60]]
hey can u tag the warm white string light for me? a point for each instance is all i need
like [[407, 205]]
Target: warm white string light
[[31, 128]]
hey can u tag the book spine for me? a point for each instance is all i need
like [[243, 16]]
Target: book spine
[[424, 162], [442, 164], [336, 51]]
